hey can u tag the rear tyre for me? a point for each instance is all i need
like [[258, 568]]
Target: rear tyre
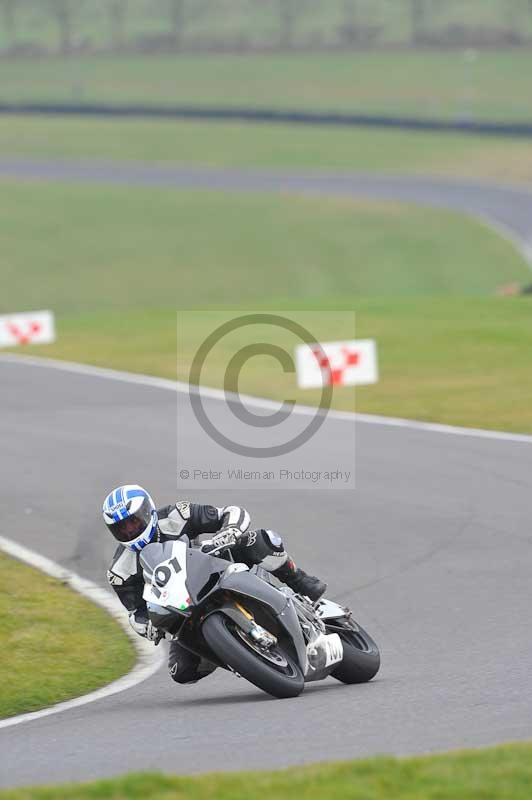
[[275, 672], [361, 659]]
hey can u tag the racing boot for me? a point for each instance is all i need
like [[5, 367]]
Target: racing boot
[[299, 581]]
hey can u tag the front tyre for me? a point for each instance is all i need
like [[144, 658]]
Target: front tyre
[[274, 671], [361, 659]]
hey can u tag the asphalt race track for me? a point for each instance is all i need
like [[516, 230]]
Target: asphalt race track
[[432, 552]]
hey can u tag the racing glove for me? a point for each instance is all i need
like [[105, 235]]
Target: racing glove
[[139, 622], [227, 537], [143, 626]]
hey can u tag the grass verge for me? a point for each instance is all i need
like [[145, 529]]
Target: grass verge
[[460, 361], [75, 644], [281, 146], [92, 248], [454, 84], [499, 773], [419, 281]]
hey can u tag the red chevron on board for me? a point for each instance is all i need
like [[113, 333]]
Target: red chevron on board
[[24, 336], [335, 375]]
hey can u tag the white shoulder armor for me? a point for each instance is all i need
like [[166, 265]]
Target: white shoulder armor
[[123, 567], [174, 523], [184, 508]]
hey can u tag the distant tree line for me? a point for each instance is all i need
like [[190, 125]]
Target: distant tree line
[[359, 23]]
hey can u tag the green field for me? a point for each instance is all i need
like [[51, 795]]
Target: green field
[[92, 248], [272, 146], [496, 84], [116, 265], [75, 644], [499, 773]]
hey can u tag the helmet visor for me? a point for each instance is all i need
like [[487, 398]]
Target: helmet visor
[[130, 528]]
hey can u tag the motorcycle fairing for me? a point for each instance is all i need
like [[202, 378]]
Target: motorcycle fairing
[[167, 584], [177, 576], [250, 585]]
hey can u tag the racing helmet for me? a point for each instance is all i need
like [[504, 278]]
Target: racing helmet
[[130, 514]]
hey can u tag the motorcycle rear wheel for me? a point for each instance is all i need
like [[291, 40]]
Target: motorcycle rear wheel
[[276, 673], [361, 660]]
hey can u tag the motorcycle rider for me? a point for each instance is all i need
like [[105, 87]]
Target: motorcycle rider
[[131, 516]]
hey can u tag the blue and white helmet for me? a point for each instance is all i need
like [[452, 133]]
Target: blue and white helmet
[[129, 513]]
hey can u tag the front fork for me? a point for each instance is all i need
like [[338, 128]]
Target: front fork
[[260, 635], [287, 620]]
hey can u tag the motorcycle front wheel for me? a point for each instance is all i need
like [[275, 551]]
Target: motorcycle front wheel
[[273, 670]]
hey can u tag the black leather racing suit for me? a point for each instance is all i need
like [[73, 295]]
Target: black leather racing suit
[[192, 519]]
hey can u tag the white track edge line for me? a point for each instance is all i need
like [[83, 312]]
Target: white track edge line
[[146, 664], [257, 402], [519, 242]]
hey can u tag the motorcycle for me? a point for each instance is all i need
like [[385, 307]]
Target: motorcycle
[[242, 620]]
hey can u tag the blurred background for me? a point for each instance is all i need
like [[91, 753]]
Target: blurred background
[[464, 59], [117, 218], [35, 28], [433, 264]]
